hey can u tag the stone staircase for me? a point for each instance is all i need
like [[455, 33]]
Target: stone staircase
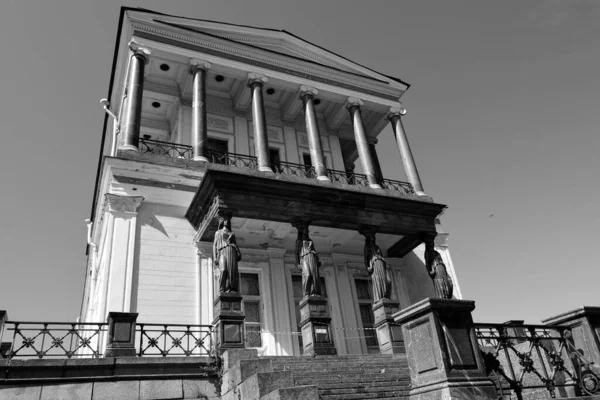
[[350, 377], [356, 377]]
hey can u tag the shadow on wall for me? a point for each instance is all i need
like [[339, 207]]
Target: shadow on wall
[[420, 284]]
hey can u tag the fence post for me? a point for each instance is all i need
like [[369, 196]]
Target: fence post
[[4, 346], [121, 334], [443, 356], [584, 323]]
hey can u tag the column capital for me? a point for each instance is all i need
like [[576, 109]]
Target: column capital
[[354, 102], [199, 64], [396, 111], [140, 50], [307, 91], [256, 78], [123, 204]]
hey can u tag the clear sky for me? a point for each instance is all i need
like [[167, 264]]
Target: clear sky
[[503, 118]]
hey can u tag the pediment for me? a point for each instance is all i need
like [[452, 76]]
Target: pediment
[[272, 40]]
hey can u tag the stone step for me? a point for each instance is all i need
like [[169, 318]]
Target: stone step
[[363, 396], [350, 370], [308, 392], [361, 389], [341, 385], [350, 377]]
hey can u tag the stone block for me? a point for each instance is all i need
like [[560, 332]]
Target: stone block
[[263, 383], [243, 370], [293, 393], [200, 388], [232, 356], [160, 390], [20, 393], [122, 390], [72, 391]]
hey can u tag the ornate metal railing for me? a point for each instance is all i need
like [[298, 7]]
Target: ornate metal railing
[[535, 356], [397, 186], [288, 168], [232, 159], [175, 340], [348, 177], [172, 150], [53, 339]]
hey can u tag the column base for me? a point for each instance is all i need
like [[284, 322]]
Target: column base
[[315, 325], [420, 193], [200, 158], [229, 321], [129, 147], [375, 186], [265, 169], [389, 333], [323, 178]]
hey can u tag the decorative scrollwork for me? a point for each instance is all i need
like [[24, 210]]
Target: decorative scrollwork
[[174, 340]]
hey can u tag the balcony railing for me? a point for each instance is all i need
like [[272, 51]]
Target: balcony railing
[[174, 340], [172, 150], [280, 167]]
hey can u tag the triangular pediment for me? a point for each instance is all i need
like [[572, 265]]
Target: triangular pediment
[[272, 40]]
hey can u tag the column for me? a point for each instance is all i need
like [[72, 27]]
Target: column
[[395, 117], [376, 165], [307, 95], [122, 220], [199, 132], [259, 122], [135, 89], [362, 144]]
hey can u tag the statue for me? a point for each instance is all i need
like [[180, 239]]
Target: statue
[[437, 271], [308, 261], [377, 268], [226, 255]]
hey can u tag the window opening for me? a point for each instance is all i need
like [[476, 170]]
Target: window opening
[[252, 306], [364, 296], [275, 160]]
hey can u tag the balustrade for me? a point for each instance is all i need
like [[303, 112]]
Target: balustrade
[[175, 150]]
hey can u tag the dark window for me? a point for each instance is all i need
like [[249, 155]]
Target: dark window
[[365, 306], [250, 289], [216, 151], [307, 165], [275, 160]]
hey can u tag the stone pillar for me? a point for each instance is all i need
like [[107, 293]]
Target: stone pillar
[[389, 333], [443, 356], [135, 90], [584, 323], [362, 144], [376, 165], [3, 319], [395, 117], [199, 132], [307, 95], [259, 122], [121, 334], [121, 219]]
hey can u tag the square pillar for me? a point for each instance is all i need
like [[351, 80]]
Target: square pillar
[[315, 325], [229, 321], [584, 323], [443, 356], [121, 334], [4, 345], [389, 333]]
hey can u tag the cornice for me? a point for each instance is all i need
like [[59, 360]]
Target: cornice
[[265, 56]]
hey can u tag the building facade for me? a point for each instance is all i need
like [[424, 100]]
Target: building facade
[[206, 119]]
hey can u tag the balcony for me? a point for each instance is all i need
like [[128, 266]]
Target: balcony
[[180, 151]]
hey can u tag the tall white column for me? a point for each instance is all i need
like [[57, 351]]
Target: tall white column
[[362, 144], [408, 161], [122, 219], [283, 340], [133, 105]]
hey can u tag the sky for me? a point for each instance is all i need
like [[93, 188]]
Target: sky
[[503, 119]]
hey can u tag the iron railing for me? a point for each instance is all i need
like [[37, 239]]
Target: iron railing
[[175, 340], [348, 178], [54, 339], [232, 159], [293, 169], [535, 356], [280, 167], [172, 150]]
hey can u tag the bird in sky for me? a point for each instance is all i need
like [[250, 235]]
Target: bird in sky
[[491, 215]]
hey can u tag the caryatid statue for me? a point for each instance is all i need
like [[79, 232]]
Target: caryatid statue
[[437, 270], [308, 261], [377, 268], [226, 255]]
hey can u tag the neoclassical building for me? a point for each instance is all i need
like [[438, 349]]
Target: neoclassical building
[[207, 119]]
